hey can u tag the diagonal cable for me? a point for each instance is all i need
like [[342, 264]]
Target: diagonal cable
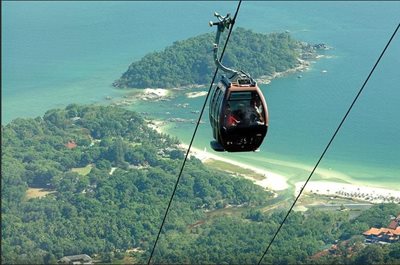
[[330, 141], [194, 134]]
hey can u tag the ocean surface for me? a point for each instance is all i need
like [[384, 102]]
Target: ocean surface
[[57, 53]]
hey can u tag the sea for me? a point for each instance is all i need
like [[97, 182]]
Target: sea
[[55, 53]]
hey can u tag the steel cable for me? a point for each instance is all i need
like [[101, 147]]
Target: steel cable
[[193, 136], [330, 141]]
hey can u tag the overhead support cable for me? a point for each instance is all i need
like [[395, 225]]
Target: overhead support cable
[[193, 136], [330, 142]]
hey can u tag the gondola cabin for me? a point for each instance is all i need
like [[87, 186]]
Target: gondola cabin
[[238, 115]]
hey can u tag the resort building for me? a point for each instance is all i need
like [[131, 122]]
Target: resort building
[[71, 144], [76, 259], [394, 223], [383, 235]]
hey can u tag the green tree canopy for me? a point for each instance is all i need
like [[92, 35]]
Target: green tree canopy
[[190, 61]]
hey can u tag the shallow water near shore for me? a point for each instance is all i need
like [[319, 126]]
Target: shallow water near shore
[[53, 58]]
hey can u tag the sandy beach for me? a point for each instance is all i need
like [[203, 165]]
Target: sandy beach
[[156, 125], [303, 66], [196, 94], [154, 93], [362, 193], [278, 182], [272, 180], [148, 94]]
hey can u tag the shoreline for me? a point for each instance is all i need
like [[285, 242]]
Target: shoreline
[[163, 94], [272, 180], [350, 191], [146, 94], [346, 187], [196, 94], [304, 65]]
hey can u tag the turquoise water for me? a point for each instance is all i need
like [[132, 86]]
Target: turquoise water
[[57, 53]]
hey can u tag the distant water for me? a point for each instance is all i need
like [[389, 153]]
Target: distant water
[[57, 53]]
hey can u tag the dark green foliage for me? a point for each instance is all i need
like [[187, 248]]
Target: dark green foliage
[[106, 214], [372, 254], [381, 215], [361, 254], [190, 61], [99, 213], [352, 249], [378, 218]]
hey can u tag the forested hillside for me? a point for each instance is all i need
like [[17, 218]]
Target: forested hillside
[[96, 212], [105, 180], [190, 61]]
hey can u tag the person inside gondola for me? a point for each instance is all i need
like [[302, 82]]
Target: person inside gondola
[[230, 119], [253, 113], [259, 110]]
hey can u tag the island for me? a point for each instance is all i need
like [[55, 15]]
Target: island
[[190, 62]]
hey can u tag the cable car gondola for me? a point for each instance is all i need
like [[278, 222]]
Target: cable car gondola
[[238, 111]]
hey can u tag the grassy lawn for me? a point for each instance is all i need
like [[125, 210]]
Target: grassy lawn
[[233, 211], [315, 199], [227, 167], [37, 193], [332, 203], [126, 260], [83, 171]]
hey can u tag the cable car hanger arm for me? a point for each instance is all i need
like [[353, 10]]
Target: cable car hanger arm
[[224, 22]]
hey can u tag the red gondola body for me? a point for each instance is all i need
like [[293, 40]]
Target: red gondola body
[[238, 116], [238, 111]]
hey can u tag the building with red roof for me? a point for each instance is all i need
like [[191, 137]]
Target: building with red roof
[[71, 144], [388, 234]]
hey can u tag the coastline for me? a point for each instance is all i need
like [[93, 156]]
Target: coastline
[[196, 94], [330, 183], [278, 182], [303, 65], [272, 180], [308, 55], [147, 94], [351, 191]]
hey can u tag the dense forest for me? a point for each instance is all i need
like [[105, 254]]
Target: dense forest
[[191, 62], [108, 178], [98, 212]]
